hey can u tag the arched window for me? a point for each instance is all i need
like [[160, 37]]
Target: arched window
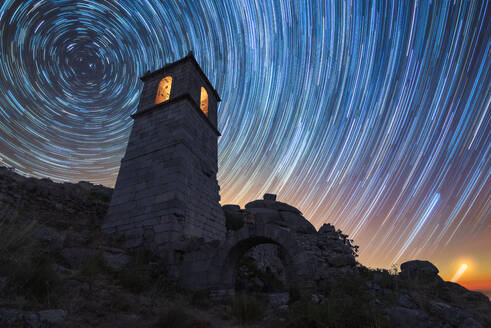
[[163, 92], [203, 102]]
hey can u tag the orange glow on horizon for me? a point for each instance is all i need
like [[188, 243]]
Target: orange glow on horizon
[[484, 284]]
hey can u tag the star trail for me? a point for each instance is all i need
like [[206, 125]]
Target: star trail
[[371, 115]]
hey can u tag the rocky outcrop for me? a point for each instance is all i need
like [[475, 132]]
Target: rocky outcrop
[[269, 211], [275, 235], [417, 269], [81, 206]]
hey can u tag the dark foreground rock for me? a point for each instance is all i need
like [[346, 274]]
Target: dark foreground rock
[[58, 270]]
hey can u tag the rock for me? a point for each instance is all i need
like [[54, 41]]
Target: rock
[[32, 320], [272, 205], [45, 233], [234, 217], [407, 318], [85, 185], [73, 284], [266, 215], [231, 208], [317, 298], [3, 283], [116, 261], [52, 316], [419, 266], [341, 260], [277, 300], [424, 270], [56, 245], [406, 301], [271, 197], [445, 312], [75, 256], [74, 239], [470, 323], [297, 222], [18, 318]]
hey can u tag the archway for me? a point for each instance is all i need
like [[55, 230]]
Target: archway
[[214, 265], [261, 270], [232, 263]]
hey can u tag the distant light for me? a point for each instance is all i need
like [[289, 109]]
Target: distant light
[[459, 273]]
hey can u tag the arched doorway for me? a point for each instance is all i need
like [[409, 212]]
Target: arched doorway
[[237, 258], [261, 270]]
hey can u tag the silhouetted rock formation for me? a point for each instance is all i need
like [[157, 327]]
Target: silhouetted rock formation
[[62, 272]]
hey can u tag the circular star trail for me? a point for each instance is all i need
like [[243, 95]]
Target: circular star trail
[[373, 116]]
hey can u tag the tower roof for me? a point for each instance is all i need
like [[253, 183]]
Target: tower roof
[[188, 57]]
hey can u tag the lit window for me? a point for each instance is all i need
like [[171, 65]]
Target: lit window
[[203, 103], [163, 93]]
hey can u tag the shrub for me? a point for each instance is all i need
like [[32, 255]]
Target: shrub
[[201, 299], [142, 257], [294, 295], [249, 273], [173, 317], [247, 309], [32, 276], [134, 280], [15, 238], [348, 304], [93, 265], [337, 311], [122, 303], [35, 278]]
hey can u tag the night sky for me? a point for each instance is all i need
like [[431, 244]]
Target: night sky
[[373, 116]]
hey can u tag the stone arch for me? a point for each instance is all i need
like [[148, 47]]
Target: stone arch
[[213, 265], [224, 264], [228, 272]]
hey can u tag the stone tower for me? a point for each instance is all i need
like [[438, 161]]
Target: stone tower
[[167, 189]]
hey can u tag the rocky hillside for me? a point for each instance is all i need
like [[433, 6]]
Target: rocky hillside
[[58, 270]]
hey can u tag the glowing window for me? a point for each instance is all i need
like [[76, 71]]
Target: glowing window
[[203, 102], [163, 93]]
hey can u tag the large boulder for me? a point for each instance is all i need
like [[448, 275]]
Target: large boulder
[[270, 202], [297, 222], [422, 270], [270, 211]]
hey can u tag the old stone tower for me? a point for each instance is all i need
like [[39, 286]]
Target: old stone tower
[[167, 190]]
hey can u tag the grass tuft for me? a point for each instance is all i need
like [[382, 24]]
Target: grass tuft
[[247, 309]]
